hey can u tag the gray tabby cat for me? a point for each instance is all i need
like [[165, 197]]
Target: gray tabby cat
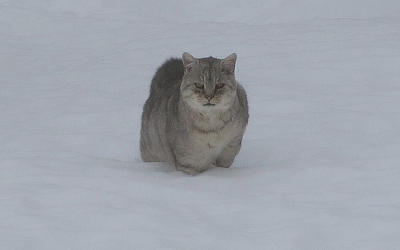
[[196, 114]]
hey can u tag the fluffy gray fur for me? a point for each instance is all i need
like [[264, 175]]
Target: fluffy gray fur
[[196, 114]]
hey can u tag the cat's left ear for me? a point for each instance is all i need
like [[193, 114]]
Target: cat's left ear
[[229, 63], [188, 61]]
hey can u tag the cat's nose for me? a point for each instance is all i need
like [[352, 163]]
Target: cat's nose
[[209, 97]]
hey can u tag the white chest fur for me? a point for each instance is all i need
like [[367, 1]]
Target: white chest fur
[[212, 143]]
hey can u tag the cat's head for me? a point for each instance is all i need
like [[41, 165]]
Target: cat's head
[[209, 83]]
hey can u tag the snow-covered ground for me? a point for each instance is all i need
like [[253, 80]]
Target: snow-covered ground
[[320, 162]]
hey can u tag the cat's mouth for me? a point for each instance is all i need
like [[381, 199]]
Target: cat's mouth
[[209, 104]]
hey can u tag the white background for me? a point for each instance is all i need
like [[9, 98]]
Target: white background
[[320, 162]]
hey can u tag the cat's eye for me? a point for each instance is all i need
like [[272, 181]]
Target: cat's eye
[[219, 85], [199, 85]]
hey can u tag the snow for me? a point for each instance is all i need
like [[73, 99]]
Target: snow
[[319, 166]]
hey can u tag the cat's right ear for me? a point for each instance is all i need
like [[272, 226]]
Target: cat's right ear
[[188, 61]]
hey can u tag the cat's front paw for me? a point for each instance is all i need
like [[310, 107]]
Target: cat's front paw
[[187, 169], [224, 163]]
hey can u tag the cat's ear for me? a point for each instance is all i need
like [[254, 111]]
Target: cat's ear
[[188, 61], [229, 63]]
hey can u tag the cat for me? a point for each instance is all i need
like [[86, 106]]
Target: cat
[[196, 114]]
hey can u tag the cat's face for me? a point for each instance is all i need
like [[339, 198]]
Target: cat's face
[[209, 83]]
